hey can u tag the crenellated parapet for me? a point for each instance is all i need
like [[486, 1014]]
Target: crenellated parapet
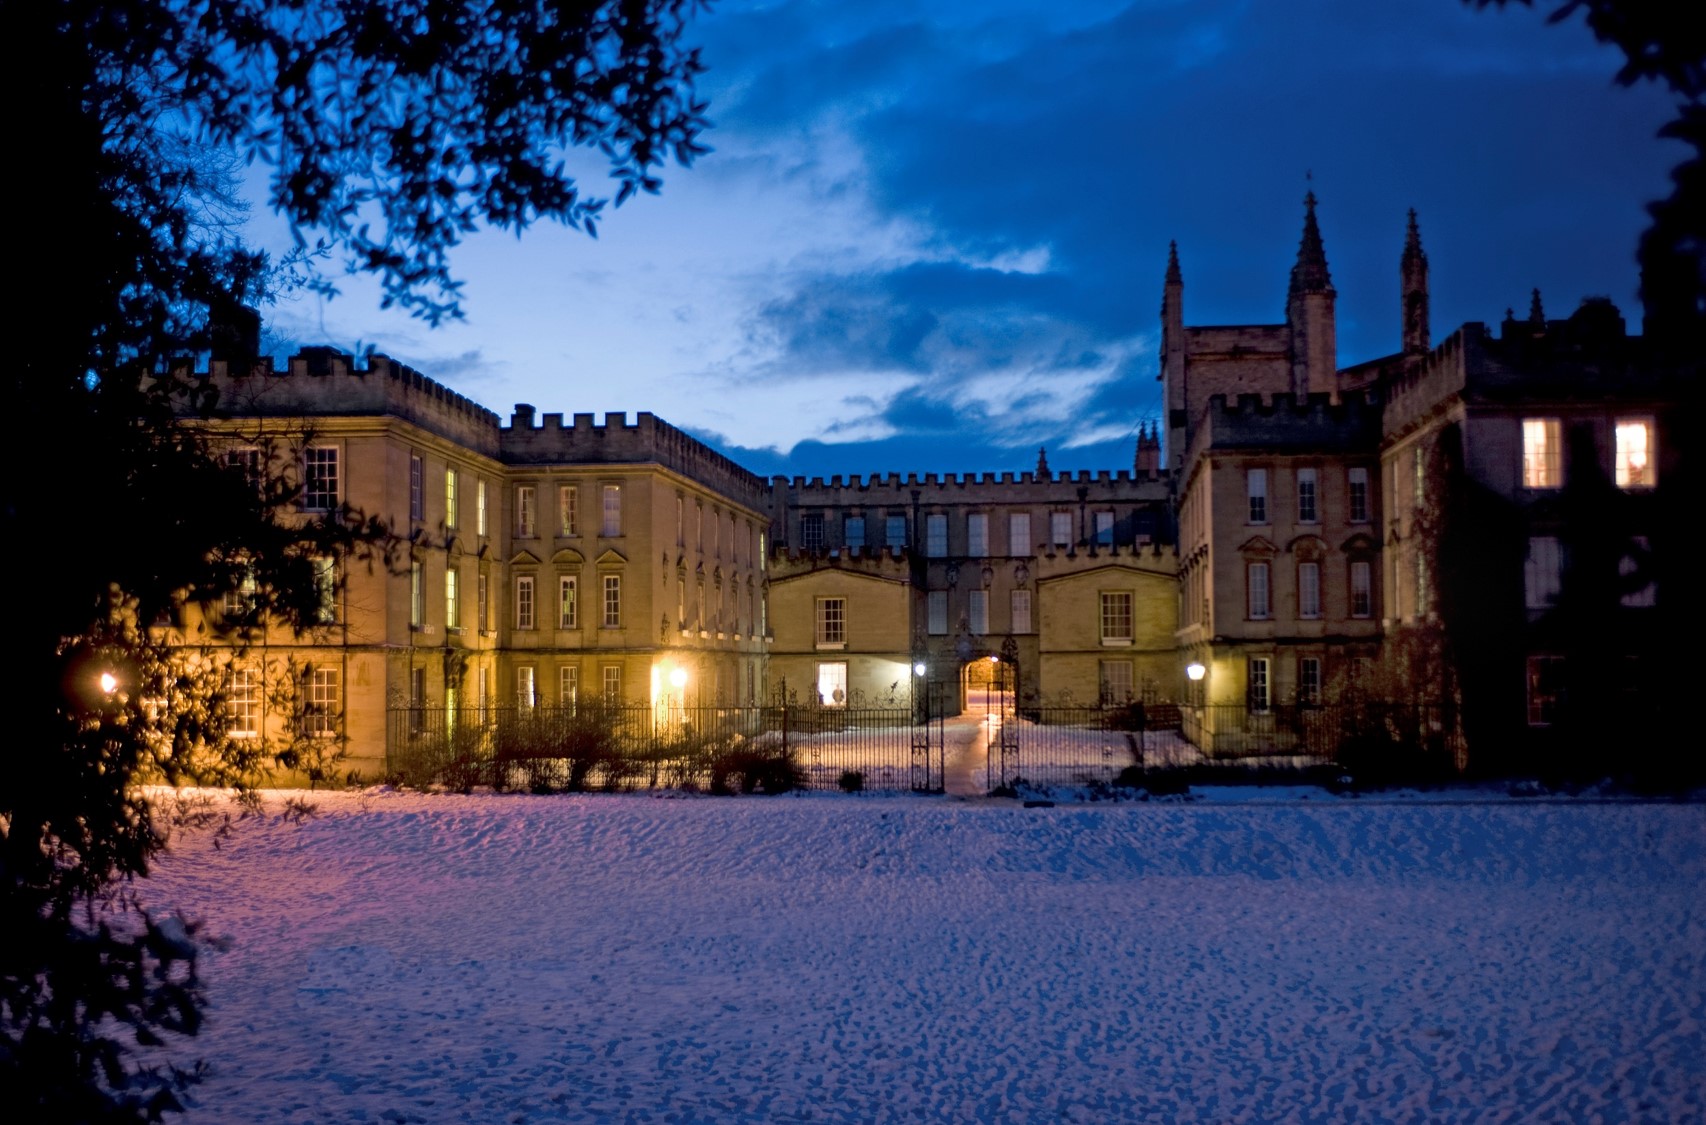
[[322, 382], [1152, 557], [893, 564], [1284, 423], [892, 488], [586, 441]]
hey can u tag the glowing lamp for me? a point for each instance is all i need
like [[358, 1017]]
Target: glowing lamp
[[109, 683], [678, 677], [1195, 670], [919, 669]]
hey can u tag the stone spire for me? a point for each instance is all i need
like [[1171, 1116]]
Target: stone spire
[[1413, 283], [1310, 274], [1173, 351], [1309, 314], [1174, 277], [1042, 464], [1536, 314]]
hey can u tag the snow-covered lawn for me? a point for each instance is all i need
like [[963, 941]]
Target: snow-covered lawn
[[508, 959]]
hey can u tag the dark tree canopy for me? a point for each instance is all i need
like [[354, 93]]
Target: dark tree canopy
[[1665, 43], [391, 128]]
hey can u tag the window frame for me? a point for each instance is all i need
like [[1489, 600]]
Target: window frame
[[568, 601], [1019, 544], [1356, 490], [526, 602], [526, 511], [977, 535], [317, 495], [1256, 497], [568, 510], [1259, 685], [1542, 453], [829, 622], [1308, 496], [1647, 476], [1020, 621], [1258, 591], [417, 487], [610, 510], [1117, 620], [1309, 590], [936, 535], [611, 617]]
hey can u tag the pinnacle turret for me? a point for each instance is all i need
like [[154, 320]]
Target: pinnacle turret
[[1413, 284], [1174, 277], [1042, 463], [1310, 274]]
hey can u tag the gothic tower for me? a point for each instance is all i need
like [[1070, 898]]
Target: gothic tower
[[1413, 284], [1309, 313]]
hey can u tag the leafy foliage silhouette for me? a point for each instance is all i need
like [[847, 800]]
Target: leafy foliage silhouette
[[392, 129]]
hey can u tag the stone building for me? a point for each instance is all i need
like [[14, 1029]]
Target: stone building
[[1288, 531]]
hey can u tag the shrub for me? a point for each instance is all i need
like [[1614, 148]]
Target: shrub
[[749, 769], [851, 781]]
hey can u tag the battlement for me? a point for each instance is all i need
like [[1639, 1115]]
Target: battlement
[[1281, 423], [855, 489], [585, 440], [320, 382], [890, 563]]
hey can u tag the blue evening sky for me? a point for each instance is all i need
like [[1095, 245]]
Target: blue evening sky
[[932, 236]]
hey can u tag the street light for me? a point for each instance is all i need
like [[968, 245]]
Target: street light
[[919, 668], [678, 678], [109, 683], [1195, 670]]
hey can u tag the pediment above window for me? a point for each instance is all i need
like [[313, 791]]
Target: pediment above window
[[524, 558], [1309, 548], [612, 557], [1259, 546], [568, 556], [1362, 543]]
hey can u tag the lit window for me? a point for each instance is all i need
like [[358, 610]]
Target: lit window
[[680, 521], [1362, 592], [452, 600], [936, 535], [977, 535], [612, 601], [526, 690], [831, 622], [417, 488], [1309, 590], [1306, 509], [1104, 529], [978, 611], [526, 511], [832, 684], [566, 602], [1114, 681], [244, 601], [1256, 488], [1257, 581], [320, 478], [1309, 680], [243, 700], [320, 715], [1021, 606], [482, 601], [1635, 453], [568, 685], [1542, 453], [894, 531], [936, 607], [417, 697], [854, 531], [325, 590], [612, 511], [1116, 617], [417, 596], [1545, 689], [1019, 534], [1359, 495], [811, 531], [1418, 476], [568, 510], [1542, 572], [479, 507], [524, 601], [1060, 528], [451, 514], [1260, 697], [612, 675]]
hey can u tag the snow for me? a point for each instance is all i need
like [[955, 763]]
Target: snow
[[825, 958]]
